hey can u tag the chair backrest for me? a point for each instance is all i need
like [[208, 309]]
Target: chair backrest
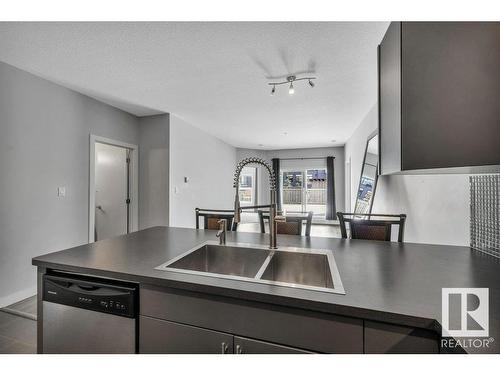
[[289, 227], [211, 218], [302, 217], [291, 224], [363, 227]]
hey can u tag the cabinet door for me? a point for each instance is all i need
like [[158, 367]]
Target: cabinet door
[[248, 346], [164, 337], [322, 333], [390, 100], [450, 112], [381, 338]]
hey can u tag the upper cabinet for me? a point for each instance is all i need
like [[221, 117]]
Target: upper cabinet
[[439, 97]]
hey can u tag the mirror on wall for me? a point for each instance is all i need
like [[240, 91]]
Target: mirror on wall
[[368, 179]]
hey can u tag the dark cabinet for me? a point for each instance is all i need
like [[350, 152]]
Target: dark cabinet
[[188, 322], [244, 345], [438, 97], [159, 336], [317, 332], [163, 337], [381, 338]]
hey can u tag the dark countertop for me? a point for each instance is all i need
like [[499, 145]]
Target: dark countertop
[[388, 282]]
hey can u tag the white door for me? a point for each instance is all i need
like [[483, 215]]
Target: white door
[[111, 191]]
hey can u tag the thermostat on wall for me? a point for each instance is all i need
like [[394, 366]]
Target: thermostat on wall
[[61, 191]]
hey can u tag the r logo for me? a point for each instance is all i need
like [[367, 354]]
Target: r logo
[[465, 312]]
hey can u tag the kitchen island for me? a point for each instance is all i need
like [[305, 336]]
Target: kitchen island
[[392, 300]]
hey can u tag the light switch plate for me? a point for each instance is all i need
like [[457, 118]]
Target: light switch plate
[[61, 191]]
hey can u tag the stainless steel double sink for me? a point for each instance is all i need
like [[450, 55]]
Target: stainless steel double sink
[[287, 266]]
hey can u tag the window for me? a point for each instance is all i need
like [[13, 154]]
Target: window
[[247, 186]]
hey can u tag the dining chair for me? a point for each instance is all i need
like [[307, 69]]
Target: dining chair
[[363, 227], [211, 218], [291, 224]]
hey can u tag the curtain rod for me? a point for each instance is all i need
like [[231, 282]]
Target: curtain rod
[[324, 157]]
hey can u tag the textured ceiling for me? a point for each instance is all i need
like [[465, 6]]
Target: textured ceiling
[[214, 75]]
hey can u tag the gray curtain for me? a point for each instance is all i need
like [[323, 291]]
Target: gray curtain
[[276, 170], [331, 210]]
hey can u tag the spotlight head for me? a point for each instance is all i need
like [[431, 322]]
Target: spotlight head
[[291, 90], [273, 90], [311, 83]]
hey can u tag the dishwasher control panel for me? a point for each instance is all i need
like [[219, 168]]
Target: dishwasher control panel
[[97, 295]]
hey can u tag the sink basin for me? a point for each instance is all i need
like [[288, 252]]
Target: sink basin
[[299, 268], [309, 269], [225, 260]]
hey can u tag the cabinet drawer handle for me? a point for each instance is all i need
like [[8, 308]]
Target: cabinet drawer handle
[[223, 348], [239, 349]]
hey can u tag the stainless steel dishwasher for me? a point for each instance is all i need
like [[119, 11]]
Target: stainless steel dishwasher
[[85, 315]]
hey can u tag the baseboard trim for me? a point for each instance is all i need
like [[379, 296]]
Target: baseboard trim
[[18, 313], [17, 296], [325, 222]]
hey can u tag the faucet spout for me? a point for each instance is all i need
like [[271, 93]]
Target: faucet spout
[[221, 234], [272, 189]]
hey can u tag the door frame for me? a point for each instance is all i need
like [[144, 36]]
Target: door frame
[[134, 182], [292, 169], [304, 180]]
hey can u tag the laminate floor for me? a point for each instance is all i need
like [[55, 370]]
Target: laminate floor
[[250, 223], [317, 230], [17, 334]]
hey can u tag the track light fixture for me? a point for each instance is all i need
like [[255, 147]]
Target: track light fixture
[[290, 80]]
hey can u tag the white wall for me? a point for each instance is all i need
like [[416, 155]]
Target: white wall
[[437, 205], [153, 170], [322, 152], [208, 163], [44, 143]]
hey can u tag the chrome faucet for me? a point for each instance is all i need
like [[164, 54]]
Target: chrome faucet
[[221, 234], [272, 185]]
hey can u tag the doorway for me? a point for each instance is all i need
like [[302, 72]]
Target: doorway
[[113, 188], [247, 187], [304, 190]]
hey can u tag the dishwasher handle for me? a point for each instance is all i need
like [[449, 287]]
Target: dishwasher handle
[[86, 288]]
